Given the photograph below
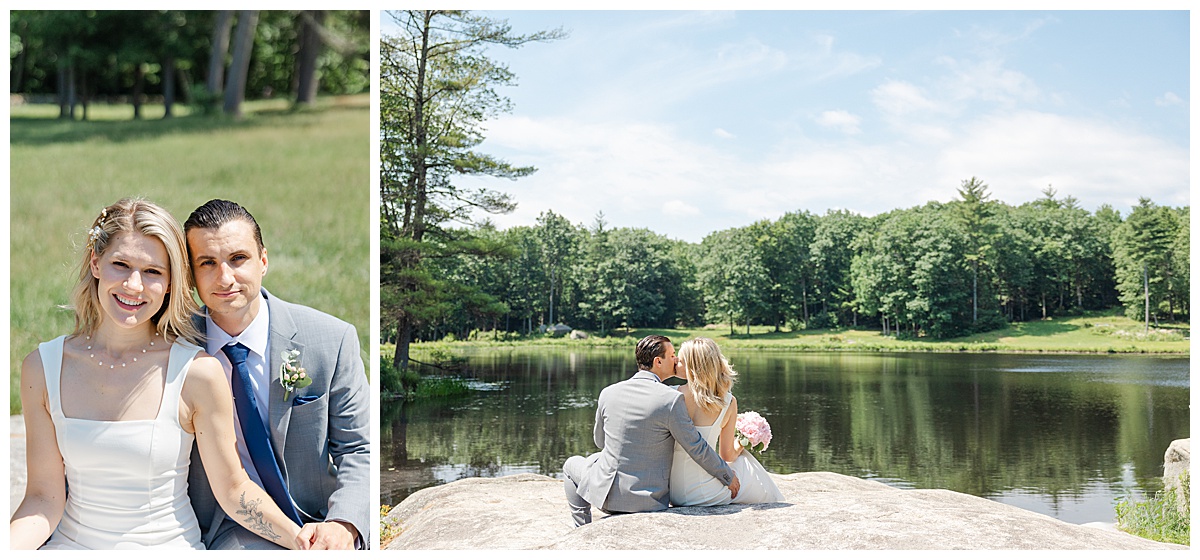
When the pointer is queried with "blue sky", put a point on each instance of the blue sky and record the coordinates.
(693, 122)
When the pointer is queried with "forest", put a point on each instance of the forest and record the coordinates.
(211, 59)
(939, 270)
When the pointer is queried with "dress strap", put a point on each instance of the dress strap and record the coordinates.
(51, 353)
(721, 417)
(178, 364)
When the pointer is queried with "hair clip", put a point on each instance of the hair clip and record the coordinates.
(94, 234)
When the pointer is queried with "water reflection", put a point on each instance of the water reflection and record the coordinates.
(1062, 435)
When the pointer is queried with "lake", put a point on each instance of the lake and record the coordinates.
(1063, 435)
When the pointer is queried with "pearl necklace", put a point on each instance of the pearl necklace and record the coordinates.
(113, 365)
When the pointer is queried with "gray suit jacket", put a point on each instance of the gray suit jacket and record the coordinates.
(638, 422)
(320, 435)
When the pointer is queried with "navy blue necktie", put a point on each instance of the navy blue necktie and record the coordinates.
(255, 433)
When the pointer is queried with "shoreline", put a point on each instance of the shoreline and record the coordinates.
(964, 348)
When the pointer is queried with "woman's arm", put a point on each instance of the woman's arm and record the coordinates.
(208, 408)
(46, 488)
(730, 449)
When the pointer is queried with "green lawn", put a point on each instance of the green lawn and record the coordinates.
(304, 175)
(1108, 332)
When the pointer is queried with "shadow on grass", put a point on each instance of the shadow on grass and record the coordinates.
(1027, 329)
(34, 131)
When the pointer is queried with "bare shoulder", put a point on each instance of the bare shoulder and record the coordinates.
(204, 377)
(32, 372)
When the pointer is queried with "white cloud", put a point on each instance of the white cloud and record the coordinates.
(1019, 154)
(650, 175)
(825, 62)
(1168, 99)
(680, 208)
(900, 98)
(841, 120)
(722, 133)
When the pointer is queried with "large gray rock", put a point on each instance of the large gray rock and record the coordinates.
(824, 511)
(1177, 462)
(16, 462)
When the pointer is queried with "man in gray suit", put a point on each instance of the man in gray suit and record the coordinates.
(307, 445)
(638, 422)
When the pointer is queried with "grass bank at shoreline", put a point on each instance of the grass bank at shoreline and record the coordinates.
(1093, 333)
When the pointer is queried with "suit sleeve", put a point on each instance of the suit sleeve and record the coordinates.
(349, 437)
(598, 431)
(689, 438)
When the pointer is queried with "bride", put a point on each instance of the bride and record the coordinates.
(713, 410)
(112, 409)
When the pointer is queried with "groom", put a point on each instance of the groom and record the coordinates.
(306, 445)
(638, 422)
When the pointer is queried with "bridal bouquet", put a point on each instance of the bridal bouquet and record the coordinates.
(753, 431)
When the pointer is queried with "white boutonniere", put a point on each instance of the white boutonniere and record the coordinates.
(291, 375)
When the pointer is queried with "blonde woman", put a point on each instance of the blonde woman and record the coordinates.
(713, 410)
(111, 410)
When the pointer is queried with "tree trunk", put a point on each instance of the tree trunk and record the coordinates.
(63, 86)
(72, 90)
(243, 47)
(220, 47)
(83, 93)
(975, 294)
(168, 86)
(403, 340)
(139, 85)
(16, 86)
(306, 57)
(1146, 286)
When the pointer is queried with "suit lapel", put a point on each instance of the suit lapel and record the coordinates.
(283, 338)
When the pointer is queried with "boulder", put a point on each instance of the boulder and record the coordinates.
(823, 511)
(1177, 462)
(578, 335)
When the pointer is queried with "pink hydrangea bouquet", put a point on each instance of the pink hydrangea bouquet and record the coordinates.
(753, 431)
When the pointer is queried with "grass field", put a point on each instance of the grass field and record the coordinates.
(1107, 332)
(304, 175)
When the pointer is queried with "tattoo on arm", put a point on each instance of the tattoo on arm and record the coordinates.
(254, 518)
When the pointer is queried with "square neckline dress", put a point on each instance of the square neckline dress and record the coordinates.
(126, 479)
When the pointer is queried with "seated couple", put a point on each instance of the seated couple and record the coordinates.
(119, 414)
(660, 445)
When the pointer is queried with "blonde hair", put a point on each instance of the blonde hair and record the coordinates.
(138, 215)
(709, 374)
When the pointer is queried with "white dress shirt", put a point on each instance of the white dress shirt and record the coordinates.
(257, 338)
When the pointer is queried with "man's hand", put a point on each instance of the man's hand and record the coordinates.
(733, 488)
(330, 535)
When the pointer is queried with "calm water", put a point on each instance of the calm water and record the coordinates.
(1060, 435)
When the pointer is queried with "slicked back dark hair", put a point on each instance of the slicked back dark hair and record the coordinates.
(216, 213)
(649, 348)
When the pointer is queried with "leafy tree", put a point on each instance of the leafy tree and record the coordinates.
(437, 88)
(731, 273)
(831, 253)
(1141, 252)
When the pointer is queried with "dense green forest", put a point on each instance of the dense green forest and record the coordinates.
(209, 58)
(938, 270)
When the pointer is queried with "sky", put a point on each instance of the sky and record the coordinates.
(688, 123)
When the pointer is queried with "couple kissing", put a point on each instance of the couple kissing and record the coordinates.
(662, 446)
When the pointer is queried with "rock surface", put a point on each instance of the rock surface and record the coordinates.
(824, 511)
(1176, 462)
(16, 462)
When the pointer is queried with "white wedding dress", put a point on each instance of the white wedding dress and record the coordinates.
(691, 485)
(126, 480)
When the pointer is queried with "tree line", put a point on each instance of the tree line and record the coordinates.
(214, 59)
(938, 270)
